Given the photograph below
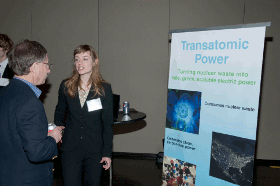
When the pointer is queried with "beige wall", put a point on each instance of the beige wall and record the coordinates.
(15, 19)
(132, 39)
(134, 58)
(268, 128)
(61, 26)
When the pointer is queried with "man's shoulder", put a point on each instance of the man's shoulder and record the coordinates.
(18, 84)
(16, 96)
(17, 88)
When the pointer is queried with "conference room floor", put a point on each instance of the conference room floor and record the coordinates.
(143, 172)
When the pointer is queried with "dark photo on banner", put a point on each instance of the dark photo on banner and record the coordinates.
(183, 110)
(232, 158)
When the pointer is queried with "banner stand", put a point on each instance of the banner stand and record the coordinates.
(212, 105)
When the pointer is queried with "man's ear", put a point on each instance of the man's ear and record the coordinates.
(34, 67)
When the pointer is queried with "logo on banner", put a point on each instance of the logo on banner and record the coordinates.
(183, 110)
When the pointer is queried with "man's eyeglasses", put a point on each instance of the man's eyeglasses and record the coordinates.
(48, 65)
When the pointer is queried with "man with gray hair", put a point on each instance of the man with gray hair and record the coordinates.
(26, 146)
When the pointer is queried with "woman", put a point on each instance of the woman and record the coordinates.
(87, 100)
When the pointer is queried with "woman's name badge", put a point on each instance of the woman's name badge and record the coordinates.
(94, 104)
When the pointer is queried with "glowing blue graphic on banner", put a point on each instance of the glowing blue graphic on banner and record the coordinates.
(183, 110)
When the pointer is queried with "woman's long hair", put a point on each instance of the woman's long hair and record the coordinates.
(95, 79)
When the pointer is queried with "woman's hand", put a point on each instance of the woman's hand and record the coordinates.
(107, 162)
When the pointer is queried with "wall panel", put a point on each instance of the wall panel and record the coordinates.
(268, 136)
(16, 19)
(61, 26)
(134, 59)
(204, 13)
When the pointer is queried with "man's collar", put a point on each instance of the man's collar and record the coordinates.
(33, 87)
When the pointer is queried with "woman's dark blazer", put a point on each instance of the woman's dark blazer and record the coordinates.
(93, 129)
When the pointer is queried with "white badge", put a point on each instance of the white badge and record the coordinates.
(4, 81)
(94, 104)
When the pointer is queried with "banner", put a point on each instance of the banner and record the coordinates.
(212, 106)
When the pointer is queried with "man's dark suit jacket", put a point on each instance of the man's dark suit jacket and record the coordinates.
(93, 129)
(25, 149)
(8, 73)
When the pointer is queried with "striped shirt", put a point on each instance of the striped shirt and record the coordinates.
(33, 87)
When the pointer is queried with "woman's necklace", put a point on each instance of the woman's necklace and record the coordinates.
(85, 86)
(83, 93)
